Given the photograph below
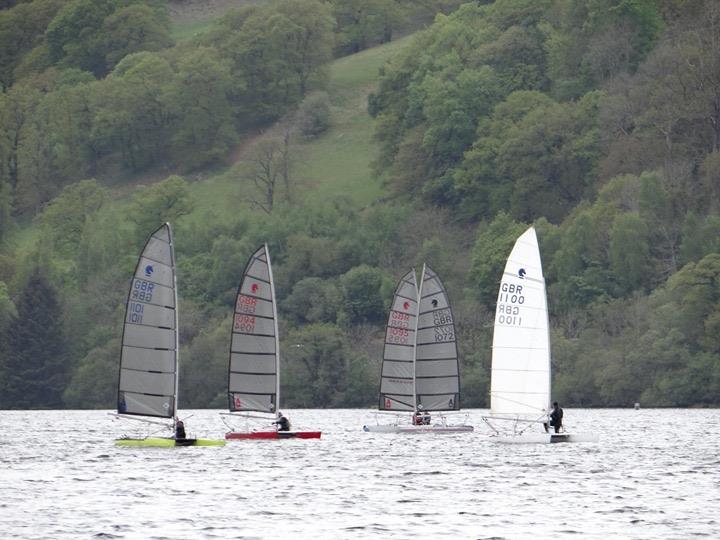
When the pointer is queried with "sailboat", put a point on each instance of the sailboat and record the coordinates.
(520, 385)
(254, 366)
(421, 369)
(148, 380)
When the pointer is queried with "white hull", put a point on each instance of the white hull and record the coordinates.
(544, 438)
(391, 428)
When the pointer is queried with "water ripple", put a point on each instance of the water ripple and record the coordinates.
(642, 482)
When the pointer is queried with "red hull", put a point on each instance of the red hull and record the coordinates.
(266, 435)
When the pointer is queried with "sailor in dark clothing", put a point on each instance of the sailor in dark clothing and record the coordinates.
(283, 423)
(421, 417)
(556, 417)
(179, 430)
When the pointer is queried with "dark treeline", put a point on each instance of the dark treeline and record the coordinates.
(596, 120)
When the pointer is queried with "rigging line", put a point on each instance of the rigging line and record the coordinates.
(145, 393)
(154, 283)
(252, 334)
(143, 325)
(399, 344)
(405, 298)
(145, 348)
(439, 293)
(436, 326)
(146, 303)
(254, 297)
(256, 278)
(264, 317)
(163, 263)
(145, 370)
(526, 279)
(445, 308)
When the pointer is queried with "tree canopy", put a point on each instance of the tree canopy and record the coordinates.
(596, 121)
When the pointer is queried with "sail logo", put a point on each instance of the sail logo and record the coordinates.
(406, 305)
(149, 270)
(521, 273)
(254, 288)
(434, 302)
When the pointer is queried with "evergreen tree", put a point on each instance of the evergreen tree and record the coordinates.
(33, 366)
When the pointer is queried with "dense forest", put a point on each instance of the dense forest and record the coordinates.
(598, 121)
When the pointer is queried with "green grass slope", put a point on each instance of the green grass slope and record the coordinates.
(335, 164)
(339, 160)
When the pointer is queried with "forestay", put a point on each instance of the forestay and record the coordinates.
(437, 369)
(253, 378)
(149, 354)
(397, 388)
(520, 384)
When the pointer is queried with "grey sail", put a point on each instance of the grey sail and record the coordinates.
(149, 354)
(437, 368)
(253, 378)
(397, 386)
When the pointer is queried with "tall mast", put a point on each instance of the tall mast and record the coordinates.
(277, 335)
(547, 321)
(417, 319)
(177, 329)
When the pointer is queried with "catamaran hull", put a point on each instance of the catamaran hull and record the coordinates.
(272, 435)
(544, 438)
(389, 428)
(164, 442)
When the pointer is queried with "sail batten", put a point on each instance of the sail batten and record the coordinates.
(520, 382)
(147, 382)
(253, 370)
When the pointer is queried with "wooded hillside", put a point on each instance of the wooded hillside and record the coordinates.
(598, 121)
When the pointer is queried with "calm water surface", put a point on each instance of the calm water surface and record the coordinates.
(654, 474)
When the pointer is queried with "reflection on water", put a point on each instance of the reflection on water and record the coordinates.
(654, 474)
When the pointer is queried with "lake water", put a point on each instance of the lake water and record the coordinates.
(654, 474)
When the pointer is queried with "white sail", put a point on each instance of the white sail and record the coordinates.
(437, 368)
(520, 384)
(149, 354)
(253, 378)
(397, 388)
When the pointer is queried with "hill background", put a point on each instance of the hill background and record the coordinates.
(357, 155)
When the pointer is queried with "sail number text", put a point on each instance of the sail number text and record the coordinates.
(399, 320)
(244, 323)
(442, 316)
(135, 312)
(245, 304)
(142, 290)
(509, 301)
(397, 335)
(444, 333)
